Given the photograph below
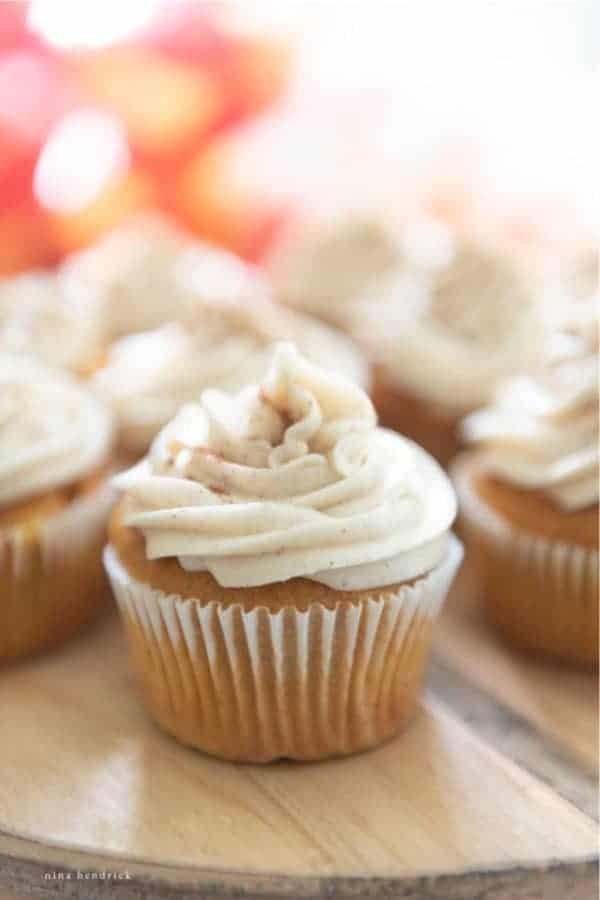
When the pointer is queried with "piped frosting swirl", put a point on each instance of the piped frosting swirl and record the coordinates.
(542, 431)
(53, 431)
(146, 273)
(452, 336)
(291, 478)
(326, 269)
(42, 319)
(224, 344)
(130, 275)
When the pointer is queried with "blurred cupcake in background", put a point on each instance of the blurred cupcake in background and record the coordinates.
(529, 501)
(55, 446)
(223, 342)
(440, 343)
(323, 269)
(571, 276)
(130, 275)
(279, 562)
(41, 317)
(581, 274)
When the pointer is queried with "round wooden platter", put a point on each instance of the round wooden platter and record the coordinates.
(480, 797)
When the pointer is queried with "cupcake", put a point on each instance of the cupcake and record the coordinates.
(42, 318)
(55, 441)
(278, 561)
(324, 269)
(529, 501)
(131, 275)
(440, 346)
(223, 344)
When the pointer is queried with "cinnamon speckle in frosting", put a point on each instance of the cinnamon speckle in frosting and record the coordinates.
(291, 478)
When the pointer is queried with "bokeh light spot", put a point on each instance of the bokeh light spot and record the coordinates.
(85, 152)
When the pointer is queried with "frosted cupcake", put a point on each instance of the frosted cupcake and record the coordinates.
(55, 442)
(132, 274)
(279, 561)
(224, 344)
(529, 500)
(42, 318)
(440, 349)
(325, 269)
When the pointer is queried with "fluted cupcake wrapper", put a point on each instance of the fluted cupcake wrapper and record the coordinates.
(541, 594)
(51, 576)
(259, 685)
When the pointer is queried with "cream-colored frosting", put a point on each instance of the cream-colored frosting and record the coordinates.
(146, 273)
(324, 269)
(571, 285)
(53, 431)
(452, 336)
(581, 274)
(39, 317)
(225, 345)
(577, 326)
(291, 478)
(130, 272)
(542, 431)
(329, 269)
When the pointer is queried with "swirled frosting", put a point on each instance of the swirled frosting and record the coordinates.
(451, 338)
(146, 273)
(325, 269)
(38, 317)
(542, 431)
(130, 273)
(225, 345)
(581, 274)
(290, 478)
(53, 431)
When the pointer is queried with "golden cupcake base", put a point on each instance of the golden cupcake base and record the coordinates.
(410, 415)
(301, 681)
(538, 566)
(51, 577)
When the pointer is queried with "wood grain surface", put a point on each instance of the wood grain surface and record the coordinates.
(459, 806)
(560, 703)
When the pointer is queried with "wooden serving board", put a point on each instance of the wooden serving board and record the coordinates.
(490, 793)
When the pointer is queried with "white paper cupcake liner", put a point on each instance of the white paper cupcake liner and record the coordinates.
(258, 685)
(542, 593)
(51, 576)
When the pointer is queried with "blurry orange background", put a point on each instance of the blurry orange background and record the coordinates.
(471, 111)
(91, 135)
